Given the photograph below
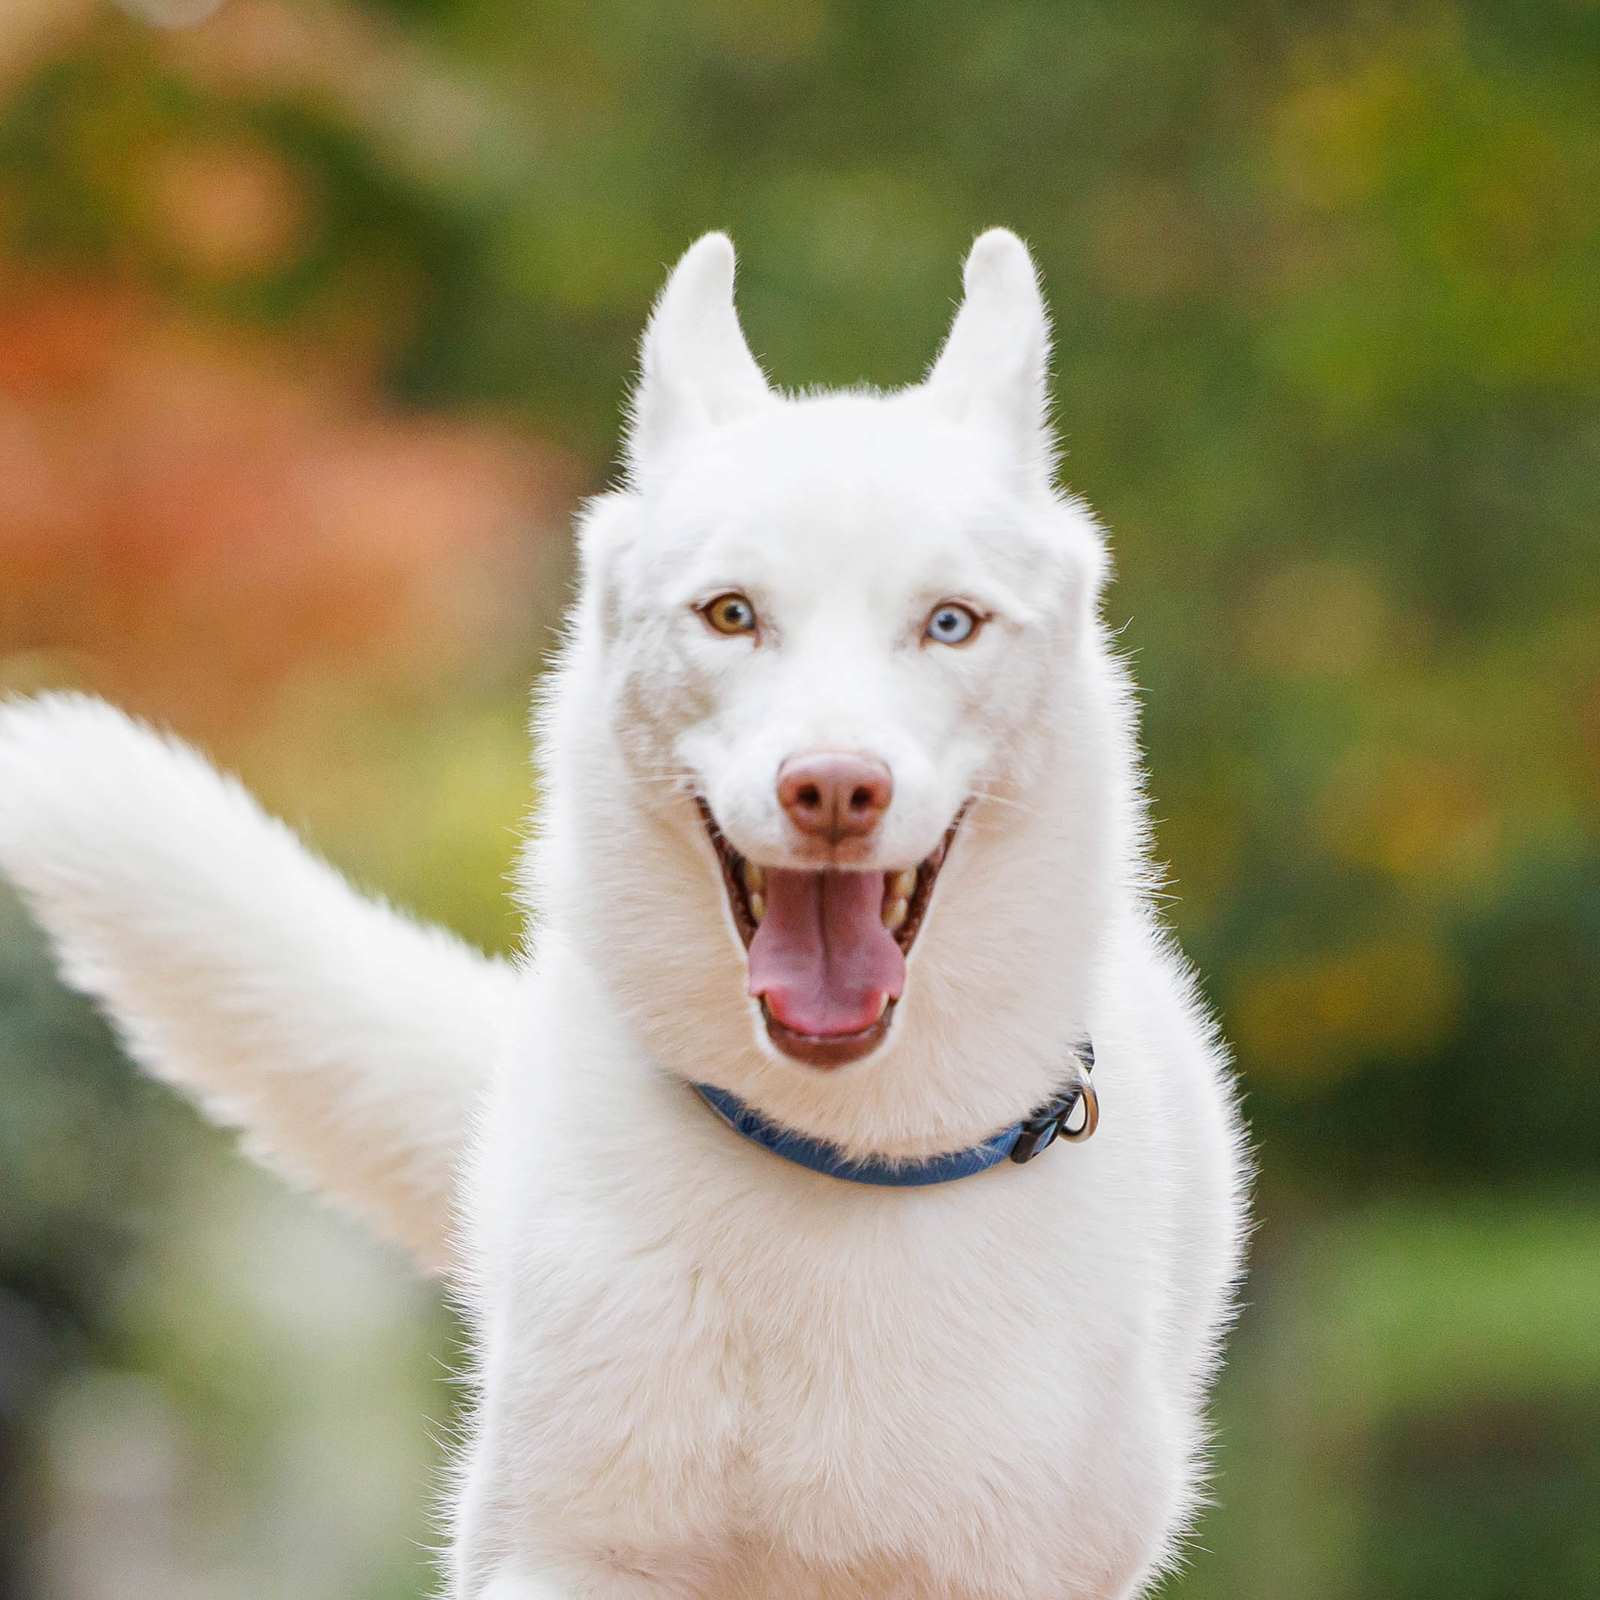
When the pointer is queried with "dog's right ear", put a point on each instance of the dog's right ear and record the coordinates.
(695, 369)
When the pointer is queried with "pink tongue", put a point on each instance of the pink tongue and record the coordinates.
(822, 957)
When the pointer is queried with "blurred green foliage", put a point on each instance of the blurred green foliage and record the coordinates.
(1325, 281)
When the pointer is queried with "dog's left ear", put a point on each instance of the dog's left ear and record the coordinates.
(695, 369)
(994, 368)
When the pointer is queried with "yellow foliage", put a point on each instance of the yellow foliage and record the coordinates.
(1312, 1019)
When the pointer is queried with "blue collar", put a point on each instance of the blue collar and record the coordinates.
(1020, 1142)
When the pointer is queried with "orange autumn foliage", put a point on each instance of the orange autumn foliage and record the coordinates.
(190, 513)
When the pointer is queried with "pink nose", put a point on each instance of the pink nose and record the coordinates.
(834, 796)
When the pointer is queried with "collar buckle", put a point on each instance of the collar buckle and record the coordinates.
(1053, 1120)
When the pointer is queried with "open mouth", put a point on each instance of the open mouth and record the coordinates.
(826, 947)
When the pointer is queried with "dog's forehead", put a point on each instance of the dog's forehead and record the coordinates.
(845, 488)
(861, 445)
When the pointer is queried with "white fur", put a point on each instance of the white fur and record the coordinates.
(702, 1371)
(349, 1042)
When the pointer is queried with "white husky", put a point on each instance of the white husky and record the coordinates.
(841, 821)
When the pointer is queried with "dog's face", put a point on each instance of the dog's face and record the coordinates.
(831, 626)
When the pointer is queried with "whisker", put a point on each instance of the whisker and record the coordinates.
(1007, 800)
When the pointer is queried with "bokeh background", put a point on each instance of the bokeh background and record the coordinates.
(314, 320)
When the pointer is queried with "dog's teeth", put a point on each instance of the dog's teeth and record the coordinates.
(903, 884)
(758, 905)
(755, 877)
(895, 913)
(883, 1004)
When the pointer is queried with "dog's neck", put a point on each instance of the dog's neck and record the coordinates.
(1003, 979)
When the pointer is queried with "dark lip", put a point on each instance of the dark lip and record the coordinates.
(827, 1050)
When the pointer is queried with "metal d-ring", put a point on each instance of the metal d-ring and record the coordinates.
(1090, 1102)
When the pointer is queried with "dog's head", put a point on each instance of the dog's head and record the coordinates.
(832, 631)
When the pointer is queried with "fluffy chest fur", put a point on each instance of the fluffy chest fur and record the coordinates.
(769, 1382)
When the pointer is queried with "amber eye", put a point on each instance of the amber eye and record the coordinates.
(952, 623)
(730, 613)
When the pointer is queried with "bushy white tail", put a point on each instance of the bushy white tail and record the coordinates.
(349, 1042)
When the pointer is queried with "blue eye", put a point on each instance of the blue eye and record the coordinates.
(951, 624)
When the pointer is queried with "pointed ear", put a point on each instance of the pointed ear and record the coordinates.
(695, 369)
(994, 368)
